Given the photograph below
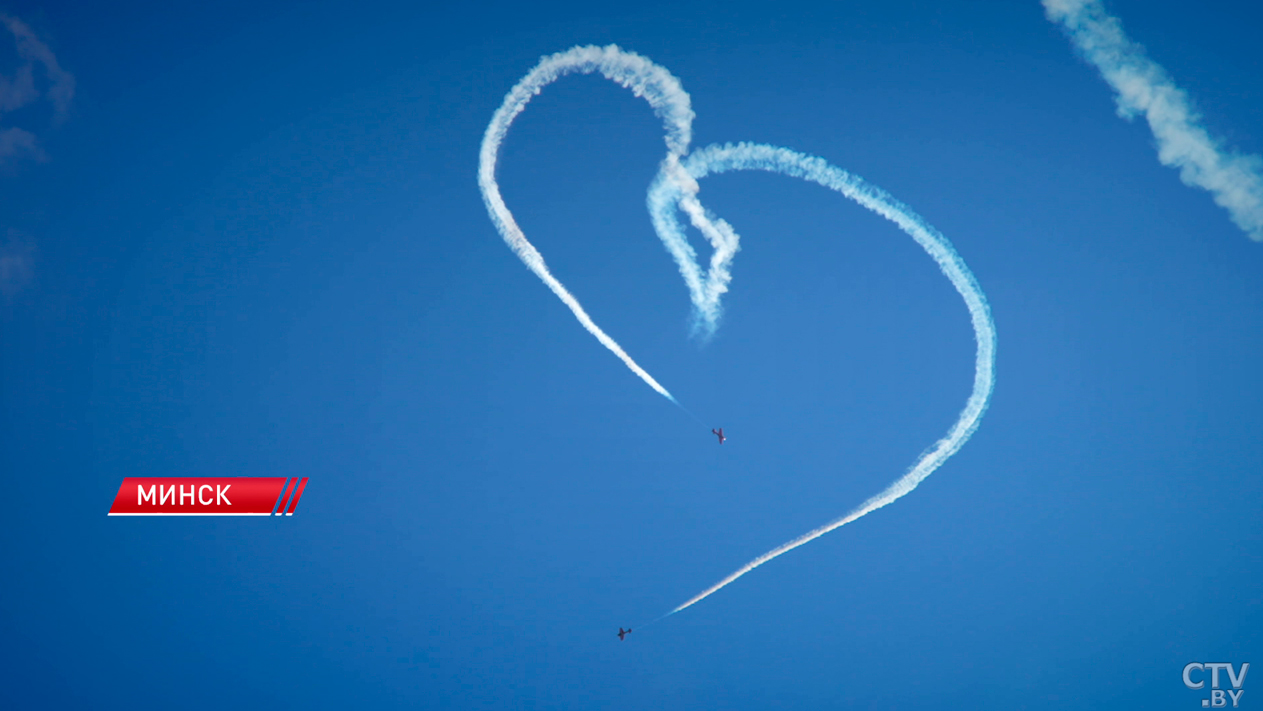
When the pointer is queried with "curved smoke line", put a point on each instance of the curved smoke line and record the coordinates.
(676, 188)
(748, 156)
(670, 102)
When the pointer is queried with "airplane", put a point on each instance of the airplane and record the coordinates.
(719, 433)
(623, 633)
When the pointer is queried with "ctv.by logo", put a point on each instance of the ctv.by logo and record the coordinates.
(1217, 698)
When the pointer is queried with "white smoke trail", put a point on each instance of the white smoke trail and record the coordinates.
(645, 79)
(746, 156)
(1142, 86)
(676, 187)
(670, 102)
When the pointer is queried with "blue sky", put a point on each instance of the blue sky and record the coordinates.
(254, 245)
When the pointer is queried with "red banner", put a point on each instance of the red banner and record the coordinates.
(208, 496)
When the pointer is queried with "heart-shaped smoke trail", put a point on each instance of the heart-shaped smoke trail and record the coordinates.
(676, 188)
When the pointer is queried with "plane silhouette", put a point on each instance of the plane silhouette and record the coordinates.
(720, 434)
(623, 633)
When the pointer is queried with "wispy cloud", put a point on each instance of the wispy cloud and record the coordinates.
(16, 141)
(1143, 87)
(32, 51)
(39, 76)
(18, 90)
(17, 262)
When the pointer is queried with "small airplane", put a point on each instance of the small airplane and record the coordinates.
(623, 633)
(720, 434)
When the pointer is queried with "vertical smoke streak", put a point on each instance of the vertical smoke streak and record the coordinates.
(745, 156)
(1144, 87)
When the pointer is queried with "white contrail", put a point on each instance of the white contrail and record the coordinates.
(1142, 86)
(671, 103)
(646, 80)
(746, 156)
